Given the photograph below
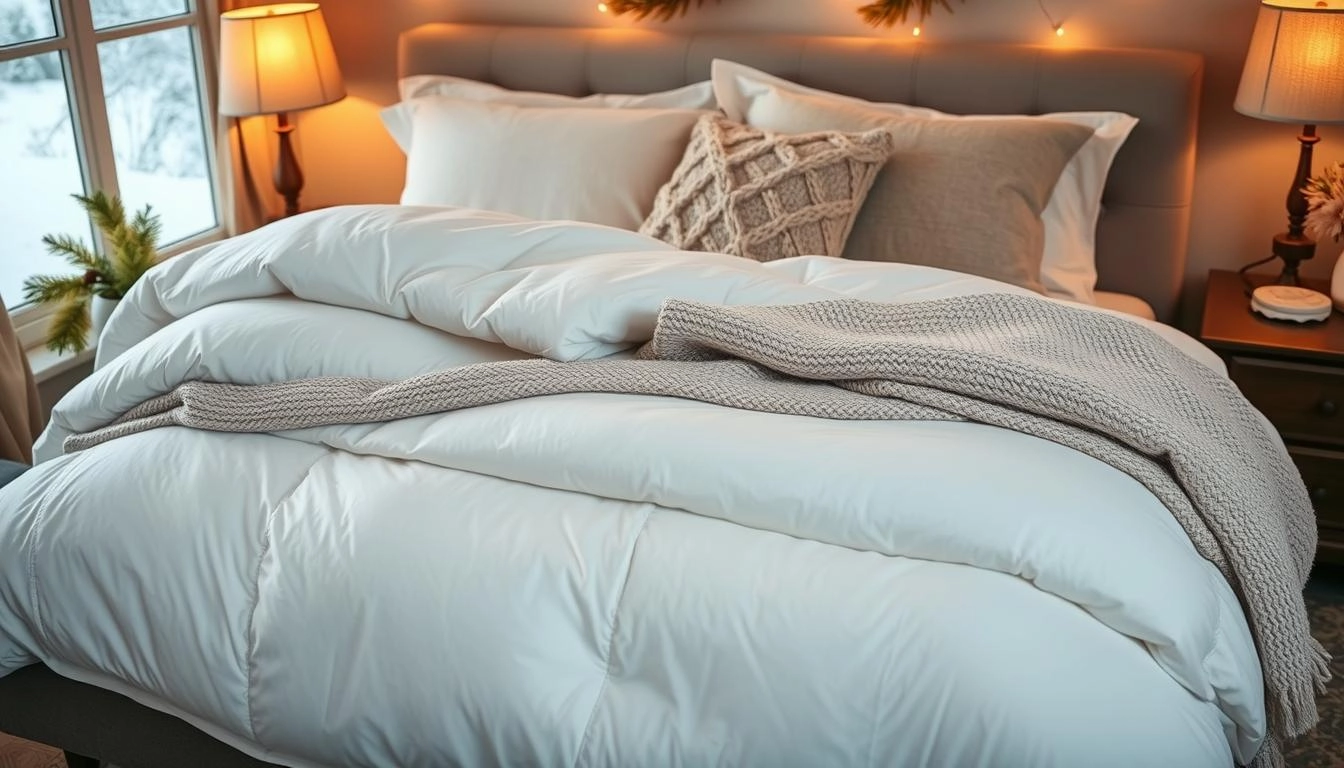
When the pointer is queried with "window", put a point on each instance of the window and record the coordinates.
(100, 94)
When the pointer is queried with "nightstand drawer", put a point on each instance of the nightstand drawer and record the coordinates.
(1323, 472)
(1305, 402)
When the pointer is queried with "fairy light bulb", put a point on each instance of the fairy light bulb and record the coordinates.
(602, 8)
(1059, 30)
(916, 31)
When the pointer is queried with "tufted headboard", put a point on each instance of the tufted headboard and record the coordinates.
(1141, 239)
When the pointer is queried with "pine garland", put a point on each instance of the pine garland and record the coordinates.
(879, 13)
(887, 13)
(662, 10)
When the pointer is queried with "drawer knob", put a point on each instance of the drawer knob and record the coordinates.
(1327, 408)
(1318, 494)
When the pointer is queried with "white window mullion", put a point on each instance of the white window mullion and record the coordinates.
(34, 48)
(145, 27)
(207, 73)
(92, 130)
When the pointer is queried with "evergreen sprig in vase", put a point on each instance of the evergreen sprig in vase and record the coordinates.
(84, 300)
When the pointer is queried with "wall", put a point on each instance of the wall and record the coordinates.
(1244, 167)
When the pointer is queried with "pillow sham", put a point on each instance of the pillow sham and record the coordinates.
(764, 195)
(965, 195)
(1068, 265)
(603, 166)
(695, 96)
(397, 118)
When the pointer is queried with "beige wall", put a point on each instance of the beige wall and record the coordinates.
(1244, 169)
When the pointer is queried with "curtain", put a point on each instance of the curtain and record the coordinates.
(243, 156)
(20, 411)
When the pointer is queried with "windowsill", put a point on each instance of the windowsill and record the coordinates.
(48, 365)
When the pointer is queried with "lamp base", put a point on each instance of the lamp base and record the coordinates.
(1293, 250)
(288, 177)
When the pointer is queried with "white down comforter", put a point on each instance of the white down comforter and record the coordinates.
(593, 580)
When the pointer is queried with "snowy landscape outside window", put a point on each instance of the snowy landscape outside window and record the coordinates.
(100, 95)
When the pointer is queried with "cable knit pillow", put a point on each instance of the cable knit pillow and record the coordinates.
(767, 196)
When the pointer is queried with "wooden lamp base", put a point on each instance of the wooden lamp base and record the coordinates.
(288, 176)
(1293, 246)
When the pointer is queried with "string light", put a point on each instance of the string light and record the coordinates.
(915, 31)
(602, 8)
(1057, 26)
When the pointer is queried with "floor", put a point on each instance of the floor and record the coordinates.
(1323, 748)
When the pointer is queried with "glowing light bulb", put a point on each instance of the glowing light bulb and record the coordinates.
(916, 31)
(1059, 30)
(602, 8)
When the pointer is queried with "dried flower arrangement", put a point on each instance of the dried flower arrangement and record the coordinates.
(1325, 203)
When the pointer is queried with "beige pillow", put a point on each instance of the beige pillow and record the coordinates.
(766, 196)
(965, 195)
(1069, 264)
(602, 166)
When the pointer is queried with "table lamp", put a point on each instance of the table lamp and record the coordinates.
(1294, 73)
(277, 59)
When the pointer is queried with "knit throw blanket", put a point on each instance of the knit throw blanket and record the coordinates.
(1095, 383)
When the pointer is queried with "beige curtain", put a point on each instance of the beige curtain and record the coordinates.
(244, 158)
(20, 411)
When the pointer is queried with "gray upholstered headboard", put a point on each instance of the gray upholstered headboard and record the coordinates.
(1141, 240)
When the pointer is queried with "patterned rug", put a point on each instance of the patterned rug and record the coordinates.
(1323, 748)
(16, 753)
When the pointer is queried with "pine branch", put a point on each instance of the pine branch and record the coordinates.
(133, 245)
(75, 252)
(134, 251)
(70, 325)
(145, 231)
(888, 13)
(47, 288)
(662, 10)
(108, 213)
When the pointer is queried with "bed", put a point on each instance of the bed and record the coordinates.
(695, 589)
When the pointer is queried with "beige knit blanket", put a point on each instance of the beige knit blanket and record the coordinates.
(1096, 383)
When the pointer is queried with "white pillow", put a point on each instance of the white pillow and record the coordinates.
(397, 120)
(695, 96)
(603, 166)
(1068, 265)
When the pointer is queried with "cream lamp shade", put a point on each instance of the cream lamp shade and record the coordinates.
(1294, 69)
(276, 58)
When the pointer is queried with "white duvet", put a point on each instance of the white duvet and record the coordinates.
(594, 580)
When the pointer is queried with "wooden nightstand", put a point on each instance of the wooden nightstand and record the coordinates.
(1295, 375)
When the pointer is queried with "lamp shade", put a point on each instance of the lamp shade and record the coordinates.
(1295, 66)
(276, 58)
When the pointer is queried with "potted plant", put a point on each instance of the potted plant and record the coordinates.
(84, 301)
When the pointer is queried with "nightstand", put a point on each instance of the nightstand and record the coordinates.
(1295, 375)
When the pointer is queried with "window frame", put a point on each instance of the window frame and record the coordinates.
(77, 41)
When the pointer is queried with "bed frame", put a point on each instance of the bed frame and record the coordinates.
(1141, 237)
